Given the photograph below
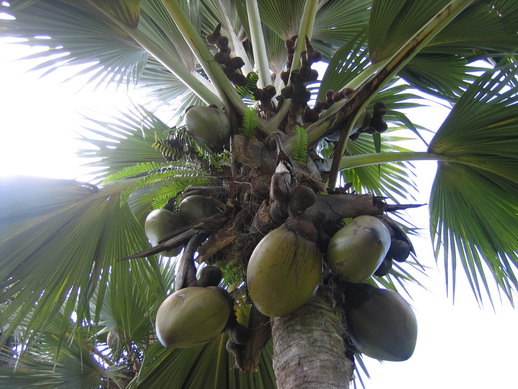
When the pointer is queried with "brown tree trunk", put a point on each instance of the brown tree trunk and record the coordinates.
(308, 350)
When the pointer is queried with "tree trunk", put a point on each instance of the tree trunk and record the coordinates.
(308, 348)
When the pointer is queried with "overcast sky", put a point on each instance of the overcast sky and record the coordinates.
(459, 346)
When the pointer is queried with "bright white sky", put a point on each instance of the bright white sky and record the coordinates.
(459, 346)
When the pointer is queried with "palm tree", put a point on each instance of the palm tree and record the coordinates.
(81, 286)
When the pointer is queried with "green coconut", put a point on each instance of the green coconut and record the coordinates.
(381, 323)
(160, 223)
(283, 272)
(194, 208)
(357, 250)
(208, 125)
(191, 316)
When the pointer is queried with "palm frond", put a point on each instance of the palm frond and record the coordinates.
(444, 76)
(391, 23)
(76, 35)
(473, 203)
(57, 249)
(347, 63)
(394, 181)
(283, 17)
(485, 30)
(335, 24)
(127, 11)
(249, 123)
(164, 89)
(76, 364)
(121, 141)
(156, 24)
(196, 367)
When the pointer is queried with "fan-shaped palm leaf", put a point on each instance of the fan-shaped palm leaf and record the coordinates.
(58, 249)
(207, 366)
(123, 141)
(76, 35)
(57, 364)
(474, 204)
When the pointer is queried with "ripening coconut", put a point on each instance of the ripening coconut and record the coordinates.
(381, 323)
(357, 250)
(191, 316)
(209, 125)
(195, 207)
(160, 223)
(283, 272)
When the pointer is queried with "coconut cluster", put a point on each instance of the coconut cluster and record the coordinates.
(161, 223)
(292, 247)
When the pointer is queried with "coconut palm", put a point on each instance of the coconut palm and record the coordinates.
(81, 285)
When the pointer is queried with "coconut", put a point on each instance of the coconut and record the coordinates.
(357, 250)
(191, 316)
(381, 323)
(283, 272)
(160, 223)
(194, 208)
(208, 125)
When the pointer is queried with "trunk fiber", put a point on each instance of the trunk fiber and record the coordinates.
(308, 350)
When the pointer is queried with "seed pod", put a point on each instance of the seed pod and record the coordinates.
(222, 58)
(194, 208)
(237, 63)
(222, 42)
(269, 91)
(191, 316)
(381, 323)
(237, 79)
(399, 250)
(212, 38)
(305, 72)
(283, 272)
(208, 125)
(314, 56)
(287, 92)
(357, 250)
(285, 77)
(210, 276)
(160, 223)
(313, 76)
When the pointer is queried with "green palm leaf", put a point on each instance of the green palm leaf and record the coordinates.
(474, 203)
(388, 180)
(75, 35)
(393, 22)
(58, 248)
(207, 366)
(122, 141)
(76, 364)
(336, 24)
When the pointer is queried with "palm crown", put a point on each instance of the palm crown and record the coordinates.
(62, 240)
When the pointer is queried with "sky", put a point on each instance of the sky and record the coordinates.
(459, 345)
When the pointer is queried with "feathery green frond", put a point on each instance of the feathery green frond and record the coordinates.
(249, 123)
(299, 153)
